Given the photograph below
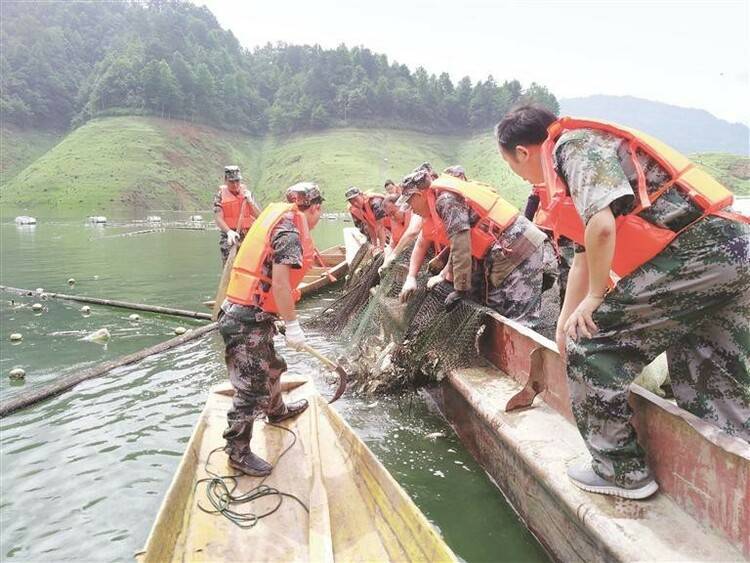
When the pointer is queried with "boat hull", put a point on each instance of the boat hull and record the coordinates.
(357, 510)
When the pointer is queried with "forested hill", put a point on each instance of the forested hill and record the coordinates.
(64, 63)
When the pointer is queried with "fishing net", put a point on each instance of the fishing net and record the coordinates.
(393, 345)
(363, 275)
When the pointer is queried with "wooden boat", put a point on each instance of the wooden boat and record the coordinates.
(334, 264)
(318, 278)
(357, 511)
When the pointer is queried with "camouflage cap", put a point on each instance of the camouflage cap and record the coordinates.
(456, 171)
(304, 194)
(426, 166)
(352, 192)
(232, 173)
(413, 183)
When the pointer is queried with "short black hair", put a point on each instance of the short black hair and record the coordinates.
(524, 125)
(388, 183)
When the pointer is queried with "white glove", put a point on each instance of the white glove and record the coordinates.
(409, 287)
(434, 280)
(233, 237)
(249, 197)
(386, 264)
(295, 338)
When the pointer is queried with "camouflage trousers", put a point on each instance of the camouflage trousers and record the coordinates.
(693, 301)
(565, 255)
(224, 246)
(519, 295)
(254, 371)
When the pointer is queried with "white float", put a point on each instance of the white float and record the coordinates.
(97, 219)
(17, 373)
(25, 220)
(101, 335)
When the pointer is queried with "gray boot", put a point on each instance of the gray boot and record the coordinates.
(584, 477)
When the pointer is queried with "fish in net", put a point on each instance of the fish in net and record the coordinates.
(395, 346)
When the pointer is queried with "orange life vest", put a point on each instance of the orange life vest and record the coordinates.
(542, 217)
(397, 228)
(495, 213)
(365, 214)
(638, 241)
(231, 206)
(247, 278)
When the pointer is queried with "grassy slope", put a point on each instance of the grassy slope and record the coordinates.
(341, 158)
(153, 163)
(21, 147)
(731, 170)
(140, 162)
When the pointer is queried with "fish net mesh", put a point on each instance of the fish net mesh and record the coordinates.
(393, 346)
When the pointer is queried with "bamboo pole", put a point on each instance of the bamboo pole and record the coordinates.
(112, 303)
(69, 381)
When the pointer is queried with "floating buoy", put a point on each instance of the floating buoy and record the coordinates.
(101, 335)
(36, 307)
(16, 337)
(71, 281)
(40, 290)
(86, 310)
(134, 317)
(96, 277)
(17, 373)
(180, 330)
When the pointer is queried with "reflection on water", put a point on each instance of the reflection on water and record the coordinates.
(83, 474)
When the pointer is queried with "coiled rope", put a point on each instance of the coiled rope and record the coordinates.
(220, 491)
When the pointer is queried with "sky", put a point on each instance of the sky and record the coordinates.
(691, 53)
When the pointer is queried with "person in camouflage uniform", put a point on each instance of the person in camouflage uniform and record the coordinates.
(253, 365)
(510, 285)
(375, 233)
(231, 234)
(692, 300)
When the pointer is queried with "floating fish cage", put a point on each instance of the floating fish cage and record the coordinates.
(25, 220)
(153, 219)
(196, 219)
(97, 219)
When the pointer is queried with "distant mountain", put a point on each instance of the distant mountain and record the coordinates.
(686, 129)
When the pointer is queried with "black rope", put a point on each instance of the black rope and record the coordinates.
(220, 491)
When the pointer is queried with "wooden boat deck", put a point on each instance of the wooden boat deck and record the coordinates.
(357, 510)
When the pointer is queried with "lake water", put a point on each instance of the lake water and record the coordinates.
(83, 474)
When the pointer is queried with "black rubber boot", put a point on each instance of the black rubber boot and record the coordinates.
(250, 464)
(292, 409)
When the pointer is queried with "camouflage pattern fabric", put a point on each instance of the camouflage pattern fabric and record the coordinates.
(519, 295)
(378, 210)
(224, 246)
(692, 301)
(565, 253)
(599, 173)
(254, 372)
(252, 363)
